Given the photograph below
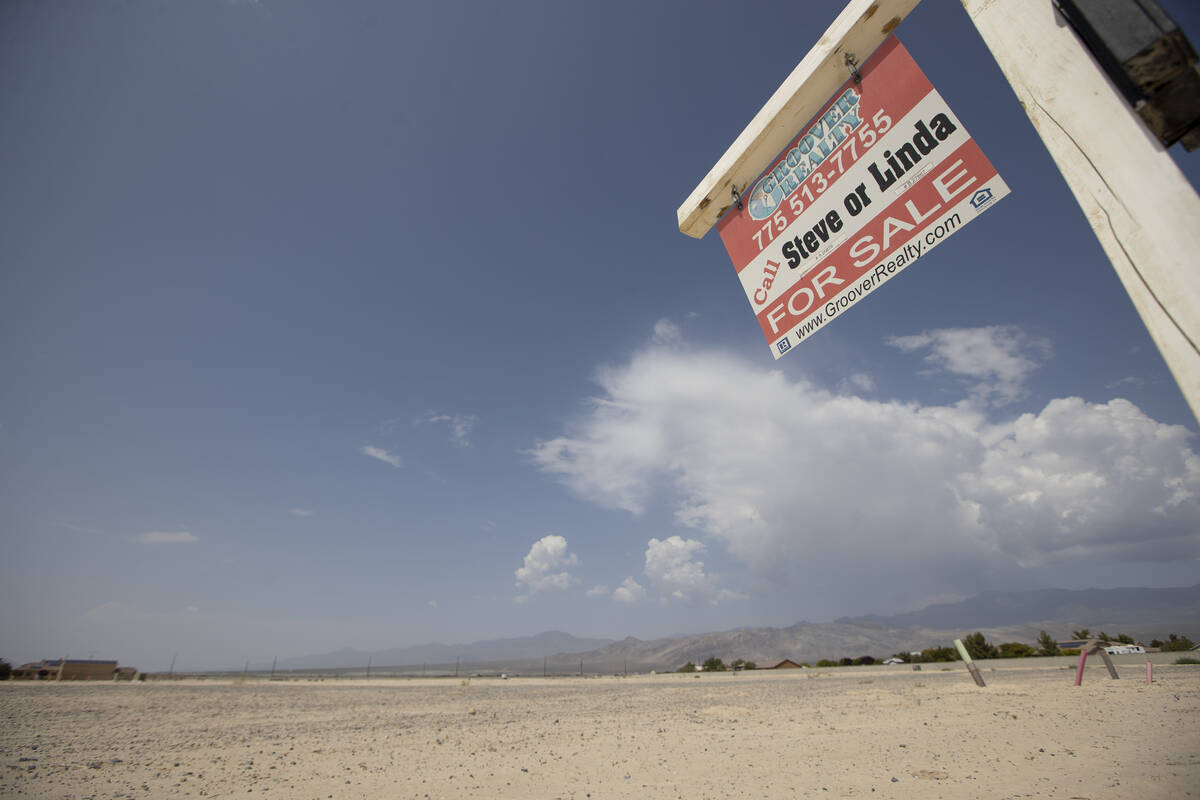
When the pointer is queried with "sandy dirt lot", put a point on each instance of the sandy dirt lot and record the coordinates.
(851, 732)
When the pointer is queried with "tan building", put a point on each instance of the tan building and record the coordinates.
(71, 669)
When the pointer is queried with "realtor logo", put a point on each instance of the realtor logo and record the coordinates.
(784, 346)
(981, 198)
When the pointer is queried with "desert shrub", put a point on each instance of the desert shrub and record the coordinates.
(713, 664)
(847, 662)
(1069, 651)
(825, 662)
(865, 661)
(1187, 660)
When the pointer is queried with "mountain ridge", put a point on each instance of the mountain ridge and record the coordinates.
(1001, 616)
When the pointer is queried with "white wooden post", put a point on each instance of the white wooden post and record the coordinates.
(1143, 210)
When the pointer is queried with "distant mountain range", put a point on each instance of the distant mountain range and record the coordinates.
(990, 609)
(1001, 616)
(492, 650)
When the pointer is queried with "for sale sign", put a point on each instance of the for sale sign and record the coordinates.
(875, 181)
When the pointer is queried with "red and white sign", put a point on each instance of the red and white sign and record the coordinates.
(881, 176)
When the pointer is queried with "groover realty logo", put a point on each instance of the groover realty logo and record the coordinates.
(981, 198)
(807, 152)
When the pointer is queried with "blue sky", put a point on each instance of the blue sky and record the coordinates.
(368, 324)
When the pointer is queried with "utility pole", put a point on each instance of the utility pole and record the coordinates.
(1140, 206)
(368, 666)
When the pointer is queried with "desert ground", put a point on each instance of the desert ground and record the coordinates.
(879, 732)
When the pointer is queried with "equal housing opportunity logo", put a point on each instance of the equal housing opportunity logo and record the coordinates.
(981, 198)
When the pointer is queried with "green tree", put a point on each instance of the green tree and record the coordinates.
(978, 647)
(5, 670)
(1125, 638)
(750, 665)
(932, 655)
(1082, 633)
(865, 661)
(1177, 643)
(1017, 650)
(713, 664)
(847, 662)
(825, 662)
(1104, 637)
(1049, 647)
(688, 667)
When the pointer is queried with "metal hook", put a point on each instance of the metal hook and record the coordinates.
(737, 195)
(852, 63)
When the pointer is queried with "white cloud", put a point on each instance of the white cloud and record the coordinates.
(545, 566)
(80, 528)
(667, 332)
(599, 590)
(802, 484)
(995, 360)
(301, 512)
(858, 382)
(672, 565)
(630, 591)
(381, 454)
(166, 537)
(460, 426)
(432, 603)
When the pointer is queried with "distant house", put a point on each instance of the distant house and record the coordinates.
(787, 663)
(71, 669)
(1124, 649)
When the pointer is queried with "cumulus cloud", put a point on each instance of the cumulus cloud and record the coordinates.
(857, 383)
(673, 567)
(800, 483)
(994, 361)
(545, 566)
(630, 591)
(667, 332)
(380, 454)
(599, 590)
(460, 426)
(166, 537)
